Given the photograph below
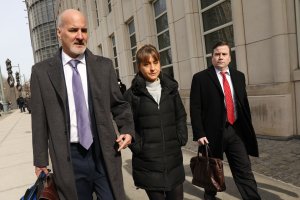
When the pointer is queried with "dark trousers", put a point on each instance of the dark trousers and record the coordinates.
(90, 174)
(22, 108)
(239, 163)
(174, 194)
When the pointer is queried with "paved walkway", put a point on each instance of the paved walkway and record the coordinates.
(279, 159)
(17, 172)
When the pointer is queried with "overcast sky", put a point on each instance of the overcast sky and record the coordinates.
(15, 38)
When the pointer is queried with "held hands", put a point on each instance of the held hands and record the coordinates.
(202, 141)
(38, 170)
(124, 140)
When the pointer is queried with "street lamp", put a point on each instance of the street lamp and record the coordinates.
(18, 79)
(10, 78)
(18, 86)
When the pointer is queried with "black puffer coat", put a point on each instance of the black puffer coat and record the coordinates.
(160, 132)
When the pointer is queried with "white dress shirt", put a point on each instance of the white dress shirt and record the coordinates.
(220, 77)
(68, 72)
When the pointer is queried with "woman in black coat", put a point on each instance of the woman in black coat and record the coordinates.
(160, 125)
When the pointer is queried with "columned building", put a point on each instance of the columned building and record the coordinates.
(42, 28)
(265, 39)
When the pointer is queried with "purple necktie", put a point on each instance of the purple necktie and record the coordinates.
(82, 113)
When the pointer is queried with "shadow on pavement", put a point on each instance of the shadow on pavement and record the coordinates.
(263, 189)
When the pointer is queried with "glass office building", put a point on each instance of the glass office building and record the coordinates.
(42, 28)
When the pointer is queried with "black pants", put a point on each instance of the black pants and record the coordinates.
(90, 174)
(239, 163)
(22, 108)
(174, 194)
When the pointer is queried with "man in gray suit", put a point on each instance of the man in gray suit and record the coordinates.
(74, 95)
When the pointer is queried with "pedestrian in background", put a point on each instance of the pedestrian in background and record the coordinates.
(160, 125)
(74, 94)
(9, 105)
(28, 103)
(21, 103)
(1, 107)
(220, 117)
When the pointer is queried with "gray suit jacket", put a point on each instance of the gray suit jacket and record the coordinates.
(50, 120)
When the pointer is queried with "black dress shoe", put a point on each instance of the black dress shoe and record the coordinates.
(209, 197)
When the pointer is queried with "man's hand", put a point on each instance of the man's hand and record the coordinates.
(38, 170)
(202, 141)
(124, 140)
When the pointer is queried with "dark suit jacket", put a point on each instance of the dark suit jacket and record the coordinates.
(50, 120)
(208, 112)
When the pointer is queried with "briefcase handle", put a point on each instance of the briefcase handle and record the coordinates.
(204, 150)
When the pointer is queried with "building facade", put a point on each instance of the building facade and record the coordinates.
(264, 36)
(42, 28)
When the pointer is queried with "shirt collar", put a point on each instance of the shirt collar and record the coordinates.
(66, 58)
(226, 71)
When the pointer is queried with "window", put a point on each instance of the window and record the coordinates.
(217, 25)
(99, 50)
(131, 30)
(109, 5)
(163, 36)
(115, 55)
(97, 14)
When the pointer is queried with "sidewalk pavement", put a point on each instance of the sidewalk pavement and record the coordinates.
(17, 171)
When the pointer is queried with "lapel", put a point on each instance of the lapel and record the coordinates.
(212, 74)
(57, 78)
(91, 63)
(235, 83)
(93, 76)
(90, 70)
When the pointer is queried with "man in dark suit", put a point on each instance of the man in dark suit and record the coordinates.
(220, 116)
(74, 95)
